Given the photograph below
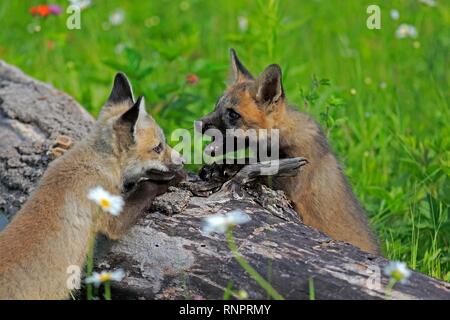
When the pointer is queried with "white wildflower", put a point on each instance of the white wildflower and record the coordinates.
(82, 4)
(98, 278)
(398, 271)
(108, 202)
(119, 48)
(243, 23)
(406, 31)
(220, 223)
(430, 3)
(117, 17)
(395, 15)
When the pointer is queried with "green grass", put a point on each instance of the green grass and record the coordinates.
(394, 141)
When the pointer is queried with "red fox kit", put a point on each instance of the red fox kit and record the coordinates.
(320, 193)
(52, 230)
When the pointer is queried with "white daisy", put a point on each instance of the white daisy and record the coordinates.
(82, 4)
(98, 278)
(220, 223)
(395, 15)
(243, 23)
(406, 31)
(108, 202)
(117, 17)
(398, 271)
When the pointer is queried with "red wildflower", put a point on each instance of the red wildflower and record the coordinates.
(45, 10)
(192, 79)
(50, 44)
(42, 10)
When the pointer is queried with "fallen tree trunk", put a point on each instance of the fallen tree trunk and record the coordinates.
(165, 256)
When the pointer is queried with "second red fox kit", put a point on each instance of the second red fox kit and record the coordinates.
(320, 193)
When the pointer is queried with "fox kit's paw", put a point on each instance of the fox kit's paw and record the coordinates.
(62, 144)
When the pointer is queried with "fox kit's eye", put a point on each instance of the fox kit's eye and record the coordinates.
(233, 115)
(158, 148)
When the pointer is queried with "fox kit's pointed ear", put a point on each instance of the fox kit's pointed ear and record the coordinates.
(238, 72)
(269, 87)
(131, 116)
(127, 122)
(121, 90)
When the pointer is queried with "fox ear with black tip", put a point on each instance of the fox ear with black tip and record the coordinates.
(238, 72)
(128, 122)
(121, 90)
(121, 94)
(269, 87)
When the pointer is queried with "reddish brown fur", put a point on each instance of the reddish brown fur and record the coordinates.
(320, 192)
(254, 116)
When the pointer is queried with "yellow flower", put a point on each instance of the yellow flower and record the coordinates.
(108, 202)
(397, 271)
(105, 276)
(242, 294)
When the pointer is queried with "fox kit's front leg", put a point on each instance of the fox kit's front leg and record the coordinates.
(137, 201)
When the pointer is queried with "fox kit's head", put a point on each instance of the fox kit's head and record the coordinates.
(137, 141)
(248, 103)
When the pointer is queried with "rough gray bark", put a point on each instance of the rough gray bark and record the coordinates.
(164, 255)
(32, 116)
